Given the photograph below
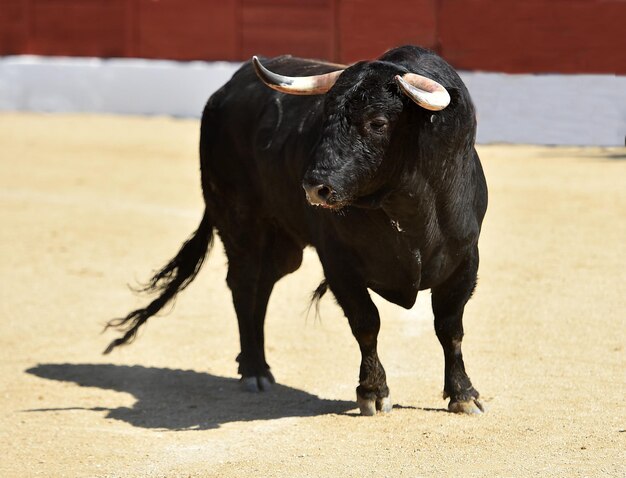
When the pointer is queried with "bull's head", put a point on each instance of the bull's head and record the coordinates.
(362, 107)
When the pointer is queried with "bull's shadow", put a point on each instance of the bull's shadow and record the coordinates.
(185, 399)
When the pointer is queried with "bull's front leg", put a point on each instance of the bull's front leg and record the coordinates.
(372, 394)
(449, 301)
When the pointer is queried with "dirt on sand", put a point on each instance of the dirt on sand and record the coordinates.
(92, 203)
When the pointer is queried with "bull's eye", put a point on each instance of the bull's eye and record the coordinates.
(378, 125)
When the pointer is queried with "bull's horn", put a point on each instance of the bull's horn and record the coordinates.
(296, 85)
(425, 92)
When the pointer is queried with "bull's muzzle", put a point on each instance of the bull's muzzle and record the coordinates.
(318, 194)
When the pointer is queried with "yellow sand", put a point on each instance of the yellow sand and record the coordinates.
(91, 203)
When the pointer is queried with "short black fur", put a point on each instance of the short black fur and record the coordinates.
(405, 199)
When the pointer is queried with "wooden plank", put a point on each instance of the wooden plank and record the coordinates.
(277, 27)
(13, 27)
(77, 27)
(560, 36)
(189, 30)
(368, 28)
(290, 3)
(131, 21)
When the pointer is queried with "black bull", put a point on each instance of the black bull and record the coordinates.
(402, 192)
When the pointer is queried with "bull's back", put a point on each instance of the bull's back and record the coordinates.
(254, 144)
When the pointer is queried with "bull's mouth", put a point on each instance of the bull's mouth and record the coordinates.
(330, 205)
(326, 197)
(332, 202)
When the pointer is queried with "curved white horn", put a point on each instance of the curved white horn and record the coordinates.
(296, 85)
(425, 92)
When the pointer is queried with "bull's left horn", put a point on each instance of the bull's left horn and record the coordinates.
(425, 92)
(296, 85)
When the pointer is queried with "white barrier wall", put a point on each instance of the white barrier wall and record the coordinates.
(549, 109)
(537, 109)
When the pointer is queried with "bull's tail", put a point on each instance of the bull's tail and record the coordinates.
(169, 281)
(316, 297)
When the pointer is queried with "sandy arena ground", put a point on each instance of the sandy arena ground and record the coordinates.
(90, 204)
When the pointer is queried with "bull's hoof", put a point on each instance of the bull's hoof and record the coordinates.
(469, 407)
(260, 383)
(369, 406)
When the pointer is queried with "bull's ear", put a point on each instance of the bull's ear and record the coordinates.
(296, 85)
(425, 92)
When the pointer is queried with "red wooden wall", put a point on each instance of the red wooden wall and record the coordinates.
(566, 36)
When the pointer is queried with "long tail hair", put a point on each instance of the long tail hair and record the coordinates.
(167, 282)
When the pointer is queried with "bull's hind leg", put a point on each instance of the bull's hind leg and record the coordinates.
(255, 264)
(448, 300)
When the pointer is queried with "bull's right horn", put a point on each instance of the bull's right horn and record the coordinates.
(425, 92)
(296, 85)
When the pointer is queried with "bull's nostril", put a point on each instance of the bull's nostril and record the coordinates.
(317, 194)
(323, 192)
